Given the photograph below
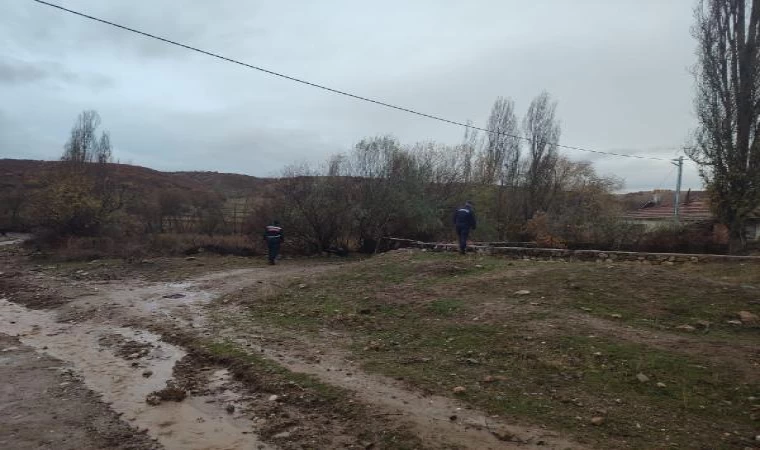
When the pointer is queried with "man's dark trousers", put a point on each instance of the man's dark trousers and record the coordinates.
(274, 248)
(463, 232)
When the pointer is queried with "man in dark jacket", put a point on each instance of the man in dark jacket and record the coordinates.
(274, 236)
(464, 221)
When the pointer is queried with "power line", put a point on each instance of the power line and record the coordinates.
(336, 91)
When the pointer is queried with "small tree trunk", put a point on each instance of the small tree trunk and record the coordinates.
(736, 242)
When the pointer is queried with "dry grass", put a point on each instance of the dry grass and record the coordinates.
(147, 246)
(556, 356)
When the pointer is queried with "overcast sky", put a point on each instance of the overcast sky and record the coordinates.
(618, 68)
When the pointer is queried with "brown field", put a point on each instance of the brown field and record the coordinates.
(404, 350)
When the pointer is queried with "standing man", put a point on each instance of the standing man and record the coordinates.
(464, 221)
(274, 237)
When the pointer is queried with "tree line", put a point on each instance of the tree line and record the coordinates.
(522, 187)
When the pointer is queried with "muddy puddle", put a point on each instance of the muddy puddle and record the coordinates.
(124, 379)
(14, 239)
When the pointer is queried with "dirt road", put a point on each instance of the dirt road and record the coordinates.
(45, 405)
(101, 331)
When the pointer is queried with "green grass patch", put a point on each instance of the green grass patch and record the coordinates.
(440, 321)
(446, 307)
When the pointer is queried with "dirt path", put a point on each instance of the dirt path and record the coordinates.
(437, 419)
(43, 405)
(121, 377)
(102, 309)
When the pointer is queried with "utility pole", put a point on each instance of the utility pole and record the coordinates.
(677, 206)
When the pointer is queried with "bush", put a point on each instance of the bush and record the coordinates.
(86, 248)
(188, 244)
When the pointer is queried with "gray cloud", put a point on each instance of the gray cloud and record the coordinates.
(14, 72)
(22, 73)
(618, 69)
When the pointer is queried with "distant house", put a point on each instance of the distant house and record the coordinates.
(694, 209)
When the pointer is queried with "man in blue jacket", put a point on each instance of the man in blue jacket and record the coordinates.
(274, 237)
(464, 221)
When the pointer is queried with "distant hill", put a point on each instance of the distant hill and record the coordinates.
(240, 194)
(31, 173)
(228, 184)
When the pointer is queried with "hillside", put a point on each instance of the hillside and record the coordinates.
(31, 173)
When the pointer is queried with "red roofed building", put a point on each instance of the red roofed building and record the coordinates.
(693, 209)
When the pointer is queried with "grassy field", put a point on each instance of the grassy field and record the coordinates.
(614, 355)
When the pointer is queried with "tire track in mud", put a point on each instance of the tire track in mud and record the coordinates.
(191, 424)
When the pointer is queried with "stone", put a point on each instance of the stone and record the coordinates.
(703, 324)
(147, 373)
(661, 385)
(283, 435)
(522, 292)
(301, 286)
(642, 378)
(748, 318)
(459, 390)
(190, 258)
(685, 328)
(597, 420)
(494, 378)
(230, 409)
(734, 322)
(616, 316)
(153, 399)
(274, 398)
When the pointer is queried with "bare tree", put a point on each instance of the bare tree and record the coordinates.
(83, 145)
(502, 146)
(314, 206)
(504, 151)
(542, 130)
(103, 152)
(376, 164)
(468, 149)
(728, 108)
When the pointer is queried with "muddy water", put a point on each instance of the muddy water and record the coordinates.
(14, 239)
(196, 424)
